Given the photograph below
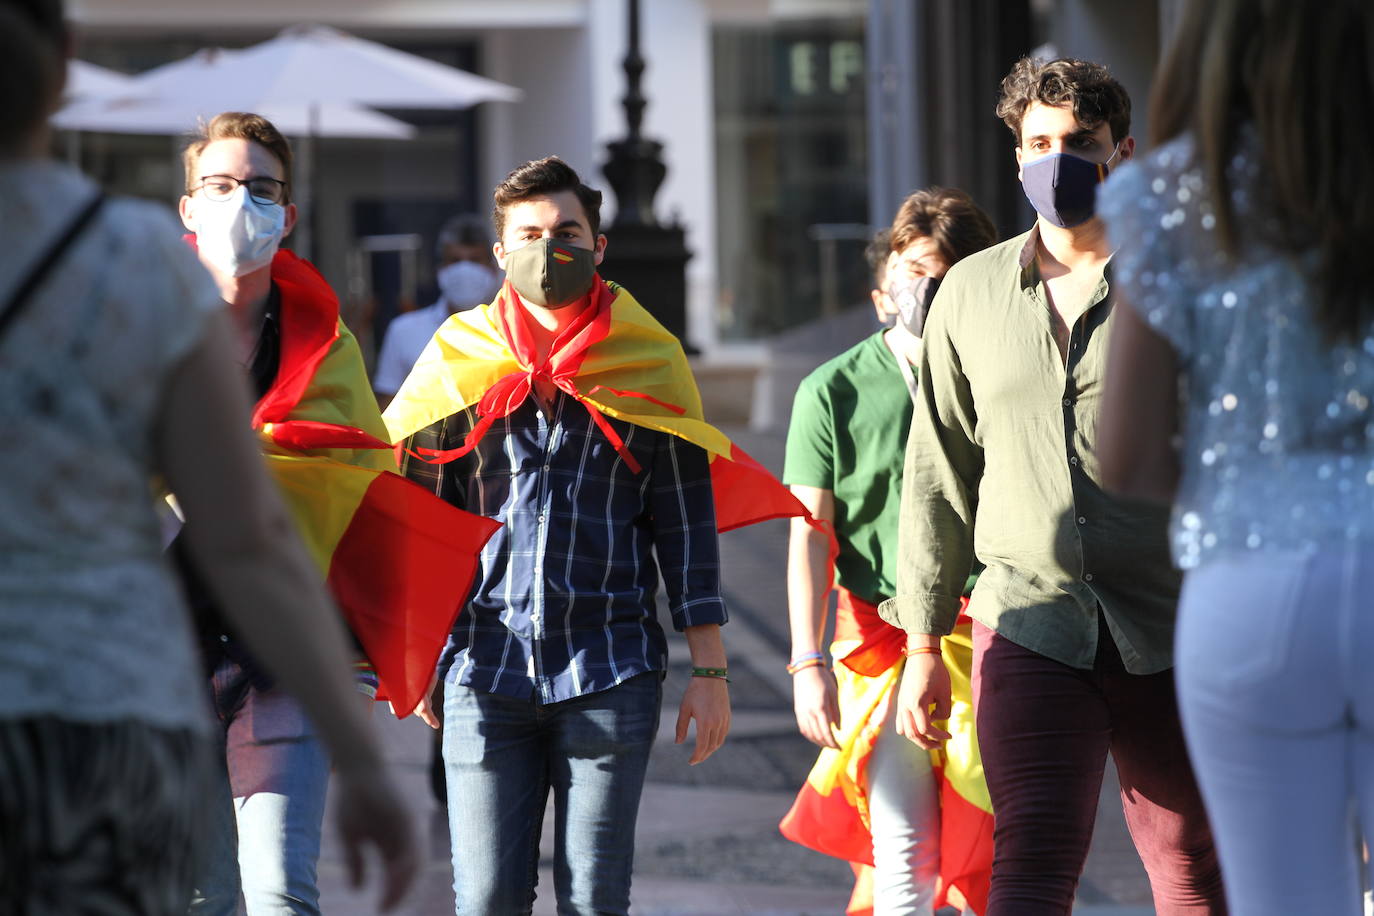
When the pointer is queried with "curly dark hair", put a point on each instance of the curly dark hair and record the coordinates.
(946, 216)
(541, 178)
(1086, 88)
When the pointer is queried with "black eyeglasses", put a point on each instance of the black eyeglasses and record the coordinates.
(262, 189)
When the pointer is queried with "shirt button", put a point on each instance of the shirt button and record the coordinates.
(1073, 460)
(1068, 402)
(1087, 577)
(1082, 520)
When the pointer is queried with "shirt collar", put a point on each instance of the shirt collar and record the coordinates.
(1030, 267)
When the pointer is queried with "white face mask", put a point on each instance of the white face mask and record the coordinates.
(467, 285)
(239, 235)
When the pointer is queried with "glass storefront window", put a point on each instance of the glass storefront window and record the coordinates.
(791, 171)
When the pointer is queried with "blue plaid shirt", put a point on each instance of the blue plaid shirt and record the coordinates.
(564, 604)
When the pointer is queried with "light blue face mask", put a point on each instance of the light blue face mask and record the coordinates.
(1062, 187)
(239, 235)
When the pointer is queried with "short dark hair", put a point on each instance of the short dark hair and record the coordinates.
(33, 42)
(876, 252)
(946, 216)
(463, 229)
(543, 178)
(1085, 88)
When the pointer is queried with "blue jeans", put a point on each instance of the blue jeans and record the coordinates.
(501, 757)
(263, 825)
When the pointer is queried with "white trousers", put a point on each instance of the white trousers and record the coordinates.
(1275, 668)
(904, 805)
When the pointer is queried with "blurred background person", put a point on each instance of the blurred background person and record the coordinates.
(118, 365)
(1244, 238)
(467, 277)
(845, 449)
(267, 813)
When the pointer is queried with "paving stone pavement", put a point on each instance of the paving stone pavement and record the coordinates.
(707, 841)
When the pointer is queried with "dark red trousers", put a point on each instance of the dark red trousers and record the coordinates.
(1044, 729)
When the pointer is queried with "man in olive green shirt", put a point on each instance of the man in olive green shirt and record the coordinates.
(1074, 614)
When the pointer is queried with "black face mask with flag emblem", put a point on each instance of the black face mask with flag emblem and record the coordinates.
(550, 273)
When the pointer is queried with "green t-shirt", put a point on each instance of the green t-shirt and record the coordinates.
(848, 435)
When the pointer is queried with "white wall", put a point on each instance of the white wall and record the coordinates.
(552, 66)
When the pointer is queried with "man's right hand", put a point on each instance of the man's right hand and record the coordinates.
(815, 703)
(922, 698)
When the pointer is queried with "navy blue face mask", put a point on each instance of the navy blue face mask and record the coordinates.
(1063, 188)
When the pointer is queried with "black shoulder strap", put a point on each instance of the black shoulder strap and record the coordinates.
(40, 271)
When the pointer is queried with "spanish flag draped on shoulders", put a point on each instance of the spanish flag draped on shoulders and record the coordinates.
(398, 560)
(615, 359)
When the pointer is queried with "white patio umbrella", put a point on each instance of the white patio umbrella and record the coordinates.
(84, 83)
(143, 105)
(317, 65)
(315, 68)
(87, 81)
(151, 117)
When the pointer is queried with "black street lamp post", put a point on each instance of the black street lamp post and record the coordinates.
(648, 257)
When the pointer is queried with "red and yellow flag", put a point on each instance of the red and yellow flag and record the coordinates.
(398, 560)
(615, 359)
(831, 813)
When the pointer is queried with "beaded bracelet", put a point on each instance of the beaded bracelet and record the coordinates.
(719, 673)
(909, 651)
(801, 664)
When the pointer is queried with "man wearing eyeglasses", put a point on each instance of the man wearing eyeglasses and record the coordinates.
(264, 825)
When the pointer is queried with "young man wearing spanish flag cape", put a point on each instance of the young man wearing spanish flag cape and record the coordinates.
(568, 413)
(397, 560)
(915, 824)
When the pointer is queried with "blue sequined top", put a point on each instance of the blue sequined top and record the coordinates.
(1278, 444)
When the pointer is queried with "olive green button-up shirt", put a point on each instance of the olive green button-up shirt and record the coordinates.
(1001, 466)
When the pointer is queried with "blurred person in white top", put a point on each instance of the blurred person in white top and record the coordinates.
(467, 277)
(119, 366)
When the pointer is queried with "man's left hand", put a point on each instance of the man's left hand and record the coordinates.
(425, 708)
(706, 699)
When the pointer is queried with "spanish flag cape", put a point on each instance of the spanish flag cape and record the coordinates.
(615, 359)
(398, 560)
(831, 812)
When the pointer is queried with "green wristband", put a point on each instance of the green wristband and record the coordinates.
(721, 673)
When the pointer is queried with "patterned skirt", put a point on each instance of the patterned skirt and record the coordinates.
(98, 818)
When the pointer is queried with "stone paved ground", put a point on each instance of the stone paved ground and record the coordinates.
(707, 843)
